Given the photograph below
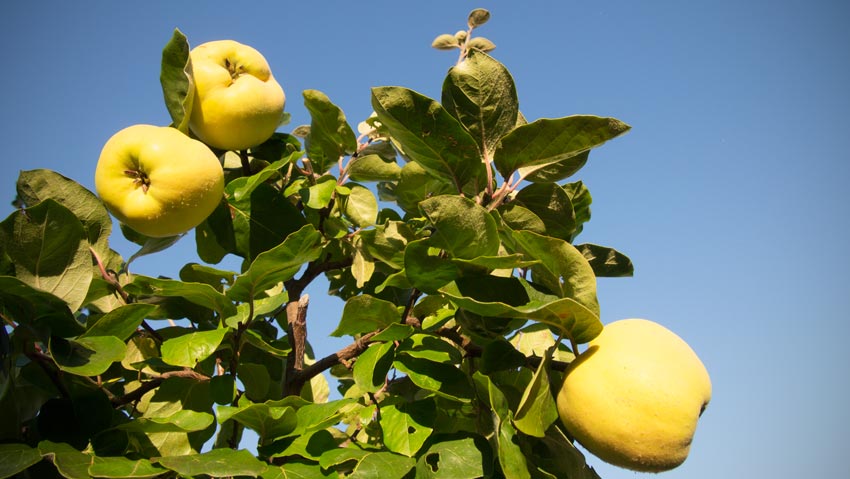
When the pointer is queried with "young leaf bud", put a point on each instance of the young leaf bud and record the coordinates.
(482, 44)
(478, 17)
(445, 42)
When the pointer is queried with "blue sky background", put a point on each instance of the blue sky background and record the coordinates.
(729, 194)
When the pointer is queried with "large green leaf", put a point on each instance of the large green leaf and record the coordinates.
(255, 222)
(550, 203)
(89, 356)
(360, 206)
(562, 268)
(15, 458)
(244, 188)
(406, 426)
(49, 248)
(172, 396)
(121, 322)
(117, 467)
(464, 229)
(492, 296)
(606, 262)
(555, 172)
(178, 88)
(330, 136)
(277, 264)
(429, 135)
(511, 458)
(537, 410)
(365, 313)
(452, 459)
(373, 167)
(369, 464)
(181, 421)
(32, 307)
(198, 293)
(371, 368)
(580, 199)
(215, 463)
(548, 141)
(445, 380)
(267, 420)
(480, 92)
(415, 184)
(35, 186)
(190, 349)
(426, 269)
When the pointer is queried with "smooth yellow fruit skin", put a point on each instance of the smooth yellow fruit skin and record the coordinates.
(238, 103)
(634, 396)
(185, 180)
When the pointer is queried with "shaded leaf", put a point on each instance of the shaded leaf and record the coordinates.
(537, 410)
(372, 366)
(267, 420)
(215, 463)
(481, 44)
(552, 205)
(478, 17)
(373, 168)
(442, 379)
(35, 186)
(452, 459)
(606, 262)
(406, 426)
(198, 293)
(15, 458)
(88, 356)
(426, 269)
(415, 184)
(48, 246)
(30, 306)
(557, 171)
(256, 222)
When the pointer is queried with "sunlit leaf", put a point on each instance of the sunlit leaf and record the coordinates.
(215, 463)
(537, 410)
(429, 135)
(197, 293)
(372, 366)
(176, 79)
(406, 426)
(87, 356)
(117, 467)
(452, 459)
(365, 313)
(121, 322)
(463, 228)
(330, 136)
(189, 349)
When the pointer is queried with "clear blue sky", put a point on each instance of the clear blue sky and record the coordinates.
(730, 194)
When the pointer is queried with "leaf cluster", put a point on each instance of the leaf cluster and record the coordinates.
(446, 226)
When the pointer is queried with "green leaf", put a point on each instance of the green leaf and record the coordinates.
(48, 246)
(319, 194)
(430, 347)
(268, 421)
(445, 380)
(429, 135)
(199, 273)
(481, 94)
(556, 455)
(580, 199)
(15, 458)
(548, 141)
(550, 203)
(511, 458)
(70, 462)
(296, 470)
(407, 426)
(606, 262)
(452, 459)
(197, 293)
(372, 366)
(563, 269)
(173, 395)
(256, 378)
(180, 421)
(557, 171)
(189, 349)
(369, 464)
(360, 206)
(426, 269)
(500, 355)
(121, 322)
(330, 136)
(277, 264)
(416, 184)
(537, 410)
(491, 296)
(35, 186)
(243, 189)
(373, 168)
(178, 88)
(116, 467)
(216, 463)
(365, 313)
(466, 230)
(89, 356)
(256, 222)
(32, 307)
(490, 263)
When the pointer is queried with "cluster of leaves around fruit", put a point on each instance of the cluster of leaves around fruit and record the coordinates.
(465, 295)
